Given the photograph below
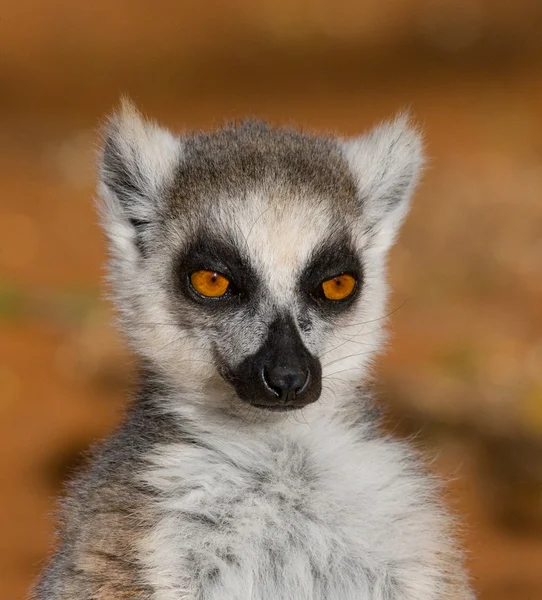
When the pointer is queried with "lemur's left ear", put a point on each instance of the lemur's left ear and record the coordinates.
(136, 165)
(386, 163)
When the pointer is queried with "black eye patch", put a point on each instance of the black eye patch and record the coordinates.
(335, 257)
(212, 253)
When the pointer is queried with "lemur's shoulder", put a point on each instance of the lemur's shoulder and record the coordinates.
(106, 509)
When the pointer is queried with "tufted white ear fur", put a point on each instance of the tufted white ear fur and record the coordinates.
(385, 163)
(136, 164)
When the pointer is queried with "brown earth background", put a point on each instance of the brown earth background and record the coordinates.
(463, 375)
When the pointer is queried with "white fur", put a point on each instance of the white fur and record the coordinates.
(288, 497)
(367, 520)
(386, 163)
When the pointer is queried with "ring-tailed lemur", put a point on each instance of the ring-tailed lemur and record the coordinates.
(248, 268)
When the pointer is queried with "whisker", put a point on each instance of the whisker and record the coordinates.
(352, 341)
(341, 344)
(330, 390)
(332, 362)
(331, 375)
(350, 338)
(386, 316)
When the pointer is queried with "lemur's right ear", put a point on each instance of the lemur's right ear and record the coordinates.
(137, 163)
(385, 163)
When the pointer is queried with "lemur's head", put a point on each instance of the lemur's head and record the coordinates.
(248, 263)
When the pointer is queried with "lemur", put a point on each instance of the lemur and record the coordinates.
(248, 268)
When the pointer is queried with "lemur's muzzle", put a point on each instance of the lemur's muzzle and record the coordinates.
(282, 374)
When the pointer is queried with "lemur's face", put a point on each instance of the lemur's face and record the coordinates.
(248, 263)
(262, 286)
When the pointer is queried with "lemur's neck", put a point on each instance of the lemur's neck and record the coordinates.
(183, 420)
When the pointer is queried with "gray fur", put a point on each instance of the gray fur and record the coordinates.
(199, 496)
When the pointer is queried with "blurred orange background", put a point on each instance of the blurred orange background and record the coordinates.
(464, 371)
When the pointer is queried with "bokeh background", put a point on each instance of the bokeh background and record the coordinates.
(464, 372)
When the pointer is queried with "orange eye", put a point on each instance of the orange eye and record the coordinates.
(209, 283)
(338, 288)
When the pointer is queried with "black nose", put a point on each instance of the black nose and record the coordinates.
(286, 382)
(282, 375)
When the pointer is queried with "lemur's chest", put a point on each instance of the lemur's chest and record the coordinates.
(288, 523)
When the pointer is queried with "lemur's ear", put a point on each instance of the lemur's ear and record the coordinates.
(386, 163)
(136, 165)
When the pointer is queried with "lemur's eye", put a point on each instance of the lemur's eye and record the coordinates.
(339, 287)
(209, 283)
